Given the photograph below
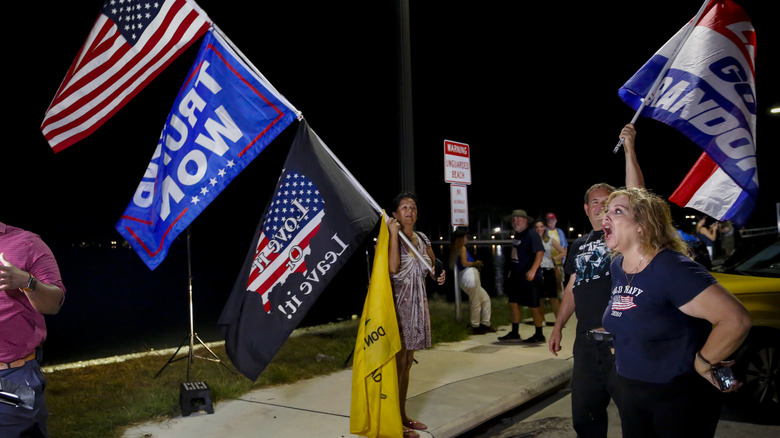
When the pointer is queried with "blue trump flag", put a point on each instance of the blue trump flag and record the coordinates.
(224, 116)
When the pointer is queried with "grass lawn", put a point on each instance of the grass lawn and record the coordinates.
(103, 400)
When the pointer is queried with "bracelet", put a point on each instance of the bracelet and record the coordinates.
(698, 354)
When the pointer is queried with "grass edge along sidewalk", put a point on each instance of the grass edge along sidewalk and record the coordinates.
(92, 400)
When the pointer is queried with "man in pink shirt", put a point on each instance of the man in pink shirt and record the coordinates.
(30, 286)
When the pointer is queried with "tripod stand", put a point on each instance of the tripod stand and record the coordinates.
(192, 336)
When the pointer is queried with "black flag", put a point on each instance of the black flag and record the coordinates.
(316, 219)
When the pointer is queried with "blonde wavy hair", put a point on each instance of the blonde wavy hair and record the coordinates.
(652, 214)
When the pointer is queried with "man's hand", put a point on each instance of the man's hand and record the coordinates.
(11, 277)
(554, 343)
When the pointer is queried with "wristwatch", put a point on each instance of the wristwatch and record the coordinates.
(32, 283)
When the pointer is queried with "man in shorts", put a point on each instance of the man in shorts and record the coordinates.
(524, 282)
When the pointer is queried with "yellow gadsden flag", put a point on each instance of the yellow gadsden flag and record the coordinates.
(376, 409)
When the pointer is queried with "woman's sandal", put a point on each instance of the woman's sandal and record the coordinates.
(416, 425)
(409, 433)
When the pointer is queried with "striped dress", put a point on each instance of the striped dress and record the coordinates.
(411, 301)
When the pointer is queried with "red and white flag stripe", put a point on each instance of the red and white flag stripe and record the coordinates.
(109, 71)
(708, 189)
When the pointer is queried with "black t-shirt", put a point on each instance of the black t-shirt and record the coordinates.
(588, 258)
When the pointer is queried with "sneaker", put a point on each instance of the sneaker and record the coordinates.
(511, 336)
(535, 339)
(487, 328)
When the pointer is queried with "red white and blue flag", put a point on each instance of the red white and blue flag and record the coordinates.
(131, 42)
(623, 302)
(708, 94)
(226, 113)
(292, 219)
(316, 219)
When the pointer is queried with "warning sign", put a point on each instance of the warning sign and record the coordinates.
(457, 162)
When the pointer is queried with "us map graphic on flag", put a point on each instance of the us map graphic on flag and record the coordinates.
(293, 218)
(317, 217)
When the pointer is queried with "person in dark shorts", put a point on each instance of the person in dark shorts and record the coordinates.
(524, 282)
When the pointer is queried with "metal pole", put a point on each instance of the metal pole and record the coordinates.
(406, 132)
(455, 280)
(192, 323)
(457, 291)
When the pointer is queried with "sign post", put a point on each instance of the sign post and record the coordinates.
(457, 172)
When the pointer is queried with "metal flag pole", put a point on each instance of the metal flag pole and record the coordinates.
(651, 95)
(192, 336)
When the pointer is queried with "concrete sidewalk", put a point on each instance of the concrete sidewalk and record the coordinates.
(454, 387)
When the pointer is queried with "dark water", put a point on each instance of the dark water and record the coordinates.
(116, 305)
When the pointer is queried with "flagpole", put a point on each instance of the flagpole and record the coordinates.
(255, 70)
(651, 95)
(370, 200)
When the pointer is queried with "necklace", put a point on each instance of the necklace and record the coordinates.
(636, 271)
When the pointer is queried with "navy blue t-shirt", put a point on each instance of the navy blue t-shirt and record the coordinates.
(654, 340)
(527, 243)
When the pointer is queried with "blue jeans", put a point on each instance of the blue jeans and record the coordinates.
(21, 422)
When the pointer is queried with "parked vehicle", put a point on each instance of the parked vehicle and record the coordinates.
(755, 281)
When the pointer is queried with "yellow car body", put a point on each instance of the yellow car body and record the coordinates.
(760, 295)
(755, 281)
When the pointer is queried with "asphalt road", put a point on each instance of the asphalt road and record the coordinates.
(550, 417)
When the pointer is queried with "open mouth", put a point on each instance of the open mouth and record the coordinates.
(607, 232)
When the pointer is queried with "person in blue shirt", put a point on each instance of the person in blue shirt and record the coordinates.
(525, 285)
(673, 323)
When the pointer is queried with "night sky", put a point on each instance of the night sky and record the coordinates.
(532, 90)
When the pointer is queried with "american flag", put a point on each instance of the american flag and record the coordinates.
(131, 42)
(292, 219)
(623, 302)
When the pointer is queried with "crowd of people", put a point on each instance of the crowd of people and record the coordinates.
(654, 329)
